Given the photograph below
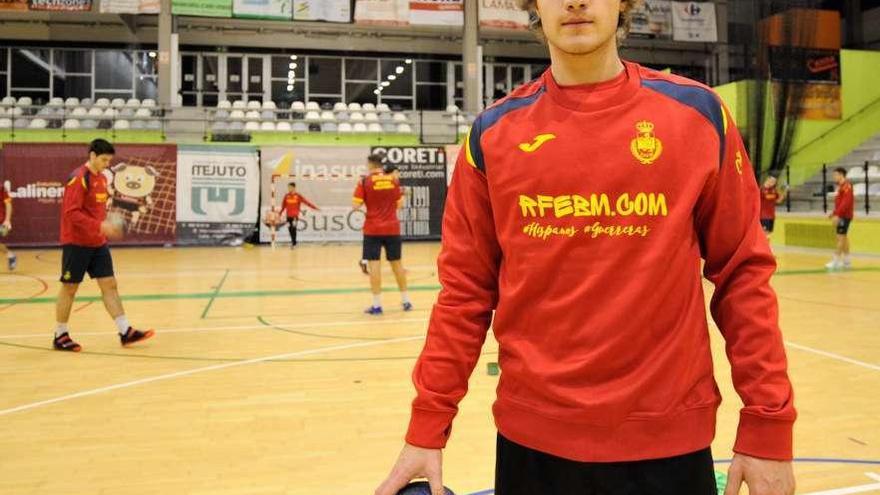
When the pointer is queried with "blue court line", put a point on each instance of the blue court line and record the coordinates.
(804, 460)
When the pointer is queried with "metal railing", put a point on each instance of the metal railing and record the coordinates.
(818, 193)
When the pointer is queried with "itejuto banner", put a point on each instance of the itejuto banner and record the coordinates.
(326, 176)
(437, 12)
(382, 12)
(423, 179)
(322, 10)
(142, 181)
(218, 191)
(14, 5)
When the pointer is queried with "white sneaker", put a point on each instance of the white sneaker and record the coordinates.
(847, 264)
(833, 264)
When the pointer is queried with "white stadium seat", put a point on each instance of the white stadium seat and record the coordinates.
(252, 126)
(327, 116)
(117, 103)
(382, 107)
(71, 124)
(371, 117)
(102, 102)
(149, 103)
(236, 115)
(298, 106)
(344, 127)
(79, 112)
(254, 105)
(374, 127)
(8, 101)
(267, 126)
(283, 126)
(313, 106)
(404, 129)
(5, 123)
(55, 102)
(356, 117)
(313, 116)
(143, 113)
(252, 115)
(368, 107)
(239, 104)
(300, 127)
(25, 101)
(354, 107)
(122, 125)
(452, 109)
(95, 112)
(224, 104)
(359, 127)
(269, 105)
(133, 103)
(399, 117)
(340, 107)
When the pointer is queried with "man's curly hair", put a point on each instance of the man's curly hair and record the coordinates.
(623, 22)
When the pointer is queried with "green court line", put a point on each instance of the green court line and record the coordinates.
(223, 295)
(216, 292)
(337, 291)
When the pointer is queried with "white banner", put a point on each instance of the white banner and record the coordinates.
(217, 194)
(694, 21)
(129, 6)
(262, 9)
(502, 14)
(322, 10)
(386, 12)
(437, 12)
(325, 176)
(652, 19)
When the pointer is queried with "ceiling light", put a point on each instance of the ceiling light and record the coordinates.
(408, 61)
(290, 87)
(399, 70)
(293, 57)
(392, 77)
(385, 84)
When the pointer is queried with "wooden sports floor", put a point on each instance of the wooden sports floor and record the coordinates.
(265, 378)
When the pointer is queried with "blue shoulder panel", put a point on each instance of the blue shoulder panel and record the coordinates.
(699, 99)
(491, 117)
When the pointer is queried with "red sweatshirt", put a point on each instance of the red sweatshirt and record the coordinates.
(5, 202)
(84, 209)
(380, 193)
(580, 216)
(844, 203)
(769, 200)
(293, 202)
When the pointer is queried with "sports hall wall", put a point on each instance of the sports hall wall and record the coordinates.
(825, 141)
(221, 195)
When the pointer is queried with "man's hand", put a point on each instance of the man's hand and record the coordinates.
(762, 476)
(414, 462)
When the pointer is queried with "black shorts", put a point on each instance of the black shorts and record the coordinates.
(767, 224)
(520, 470)
(373, 245)
(843, 225)
(76, 261)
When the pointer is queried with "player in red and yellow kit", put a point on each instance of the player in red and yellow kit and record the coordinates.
(6, 226)
(581, 212)
(841, 218)
(380, 193)
(770, 197)
(84, 234)
(291, 205)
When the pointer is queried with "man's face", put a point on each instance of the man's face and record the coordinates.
(838, 177)
(291, 189)
(579, 27)
(100, 162)
(770, 182)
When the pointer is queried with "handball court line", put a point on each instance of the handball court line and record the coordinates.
(205, 369)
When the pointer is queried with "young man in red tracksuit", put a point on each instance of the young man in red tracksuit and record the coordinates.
(770, 197)
(380, 193)
(84, 233)
(292, 203)
(841, 218)
(580, 212)
(6, 226)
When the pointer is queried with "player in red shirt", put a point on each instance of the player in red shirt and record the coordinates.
(581, 213)
(291, 204)
(84, 233)
(6, 225)
(380, 193)
(841, 218)
(770, 197)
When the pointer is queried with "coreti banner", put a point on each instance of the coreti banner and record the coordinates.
(322, 10)
(437, 12)
(202, 8)
(423, 178)
(326, 176)
(652, 19)
(142, 182)
(503, 14)
(61, 5)
(129, 6)
(694, 21)
(218, 191)
(382, 12)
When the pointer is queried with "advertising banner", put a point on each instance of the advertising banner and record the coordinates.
(423, 178)
(13, 5)
(61, 5)
(262, 9)
(502, 14)
(652, 19)
(322, 10)
(437, 12)
(325, 176)
(129, 6)
(218, 190)
(203, 8)
(383, 12)
(142, 183)
(694, 21)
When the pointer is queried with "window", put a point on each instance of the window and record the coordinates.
(360, 93)
(146, 64)
(65, 86)
(210, 77)
(75, 61)
(431, 72)
(113, 70)
(398, 104)
(30, 68)
(4, 91)
(431, 97)
(282, 66)
(146, 87)
(401, 85)
(284, 97)
(360, 69)
(325, 75)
